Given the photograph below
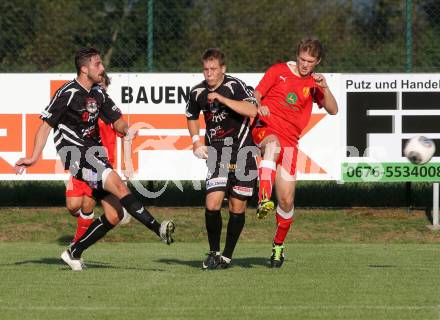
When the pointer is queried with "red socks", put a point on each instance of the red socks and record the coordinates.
(83, 223)
(284, 221)
(266, 173)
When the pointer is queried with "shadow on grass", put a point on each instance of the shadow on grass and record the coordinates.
(64, 239)
(250, 262)
(89, 264)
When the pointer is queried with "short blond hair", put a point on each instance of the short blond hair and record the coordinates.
(311, 45)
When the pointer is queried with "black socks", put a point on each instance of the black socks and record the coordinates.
(96, 231)
(213, 221)
(235, 226)
(137, 210)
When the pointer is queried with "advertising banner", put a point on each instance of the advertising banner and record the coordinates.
(154, 103)
(378, 113)
(381, 112)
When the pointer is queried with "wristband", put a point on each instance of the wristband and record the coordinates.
(195, 138)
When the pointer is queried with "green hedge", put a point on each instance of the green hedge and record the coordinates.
(308, 194)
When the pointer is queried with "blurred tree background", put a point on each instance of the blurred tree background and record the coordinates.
(170, 35)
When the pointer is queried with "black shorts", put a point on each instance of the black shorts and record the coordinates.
(89, 165)
(237, 180)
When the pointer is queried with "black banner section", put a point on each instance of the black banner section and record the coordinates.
(360, 124)
(421, 100)
(420, 124)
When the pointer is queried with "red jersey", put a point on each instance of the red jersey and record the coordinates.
(289, 99)
(108, 137)
(79, 188)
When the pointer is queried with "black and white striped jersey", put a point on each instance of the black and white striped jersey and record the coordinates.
(73, 114)
(222, 122)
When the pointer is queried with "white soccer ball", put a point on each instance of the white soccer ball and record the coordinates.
(419, 149)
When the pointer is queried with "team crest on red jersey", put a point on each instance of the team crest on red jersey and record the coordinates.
(261, 134)
(306, 92)
(91, 105)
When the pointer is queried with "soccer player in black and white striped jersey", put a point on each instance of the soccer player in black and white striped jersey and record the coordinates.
(73, 114)
(227, 104)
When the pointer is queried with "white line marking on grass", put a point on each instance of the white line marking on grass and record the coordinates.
(251, 308)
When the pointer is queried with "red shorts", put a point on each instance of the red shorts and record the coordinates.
(289, 147)
(77, 188)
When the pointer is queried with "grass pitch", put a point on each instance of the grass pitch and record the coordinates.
(331, 271)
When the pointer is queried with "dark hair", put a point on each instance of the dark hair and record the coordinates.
(311, 45)
(214, 53)
(106, 80)
(83, 56)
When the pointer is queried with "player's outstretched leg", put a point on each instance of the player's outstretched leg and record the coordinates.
(136, 209)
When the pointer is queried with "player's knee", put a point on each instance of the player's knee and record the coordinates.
(74, 211)
(213, 207)
(237, 209)
(73, 207)
(237, 206)
(87, 207)
(117, 187)
(213, 204)
(271, 149)
(113, 218)
(122, 188)
(285, 203)
(88, 204)
(111, 180)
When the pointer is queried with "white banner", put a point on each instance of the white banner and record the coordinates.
(163, 149)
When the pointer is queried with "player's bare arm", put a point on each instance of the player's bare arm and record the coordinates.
(199, 148)
(329, 101)
(261, 110)
(242, 107)
(40, 141)
(121, 126)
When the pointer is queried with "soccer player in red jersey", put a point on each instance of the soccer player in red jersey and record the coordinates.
(285, 97)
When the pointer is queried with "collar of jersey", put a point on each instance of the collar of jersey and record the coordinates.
(88, 91)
